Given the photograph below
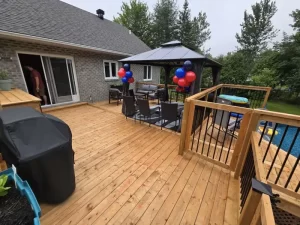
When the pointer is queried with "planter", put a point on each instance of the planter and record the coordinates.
(5, 85)
(24, 190)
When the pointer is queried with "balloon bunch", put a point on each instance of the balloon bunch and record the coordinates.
(126, 74)
(184, 77)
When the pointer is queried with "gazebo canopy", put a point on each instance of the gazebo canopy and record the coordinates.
(173, 53)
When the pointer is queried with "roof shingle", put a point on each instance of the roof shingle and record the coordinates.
(56, 20)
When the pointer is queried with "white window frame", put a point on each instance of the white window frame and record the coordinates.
(110, 71)
(147, 72)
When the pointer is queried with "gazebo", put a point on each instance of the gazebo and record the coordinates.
(174, 54)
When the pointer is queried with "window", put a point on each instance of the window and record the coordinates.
(110, 69)
(147, 73)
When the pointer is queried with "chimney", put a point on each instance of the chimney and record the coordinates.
(100, 13)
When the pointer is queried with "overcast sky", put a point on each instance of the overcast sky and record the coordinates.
(224, 16)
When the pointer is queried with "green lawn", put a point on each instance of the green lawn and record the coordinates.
(283, 107)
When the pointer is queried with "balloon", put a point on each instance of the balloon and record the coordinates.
(190, 76)
(187, 89)
(126, 67)
(124, 79)
(182, 82)
(128, 74)
(131, 80)
(187, 83)
(121, 72)
(175, 79)
(179, 89)
(180, 73)
(187, 65)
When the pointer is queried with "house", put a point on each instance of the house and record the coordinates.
(75, 51)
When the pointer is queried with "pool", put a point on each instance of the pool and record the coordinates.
(288, 139)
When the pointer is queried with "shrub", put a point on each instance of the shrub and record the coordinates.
(3, 75)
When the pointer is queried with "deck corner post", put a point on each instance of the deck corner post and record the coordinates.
(185, 119)
(266, 97)
(250, 207)
(249, 124)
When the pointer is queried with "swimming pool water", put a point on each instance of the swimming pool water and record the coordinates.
(288, 139)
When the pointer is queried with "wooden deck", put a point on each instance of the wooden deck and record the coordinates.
(129, 173)
(16, 97)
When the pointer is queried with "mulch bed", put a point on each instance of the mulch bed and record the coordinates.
(15, 208)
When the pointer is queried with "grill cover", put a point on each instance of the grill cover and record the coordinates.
(40, 146)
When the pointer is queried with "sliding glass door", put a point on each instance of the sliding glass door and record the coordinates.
(60, 79)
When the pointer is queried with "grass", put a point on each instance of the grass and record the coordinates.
(283, 107)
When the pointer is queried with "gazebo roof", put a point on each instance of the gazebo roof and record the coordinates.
(171, 53)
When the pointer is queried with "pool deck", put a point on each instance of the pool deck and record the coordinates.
(130, 173)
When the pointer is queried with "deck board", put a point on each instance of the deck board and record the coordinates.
(129, 173)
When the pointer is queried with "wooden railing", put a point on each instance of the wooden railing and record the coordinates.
(201, 108)
(255, 206)
(249, 151)
(281, 166)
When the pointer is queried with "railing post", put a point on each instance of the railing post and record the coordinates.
(243, 144)
(184, 125)
(266, 98)
(250, 207)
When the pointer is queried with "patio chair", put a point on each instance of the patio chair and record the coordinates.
(114, 94)
(160, 95)
(169, 112)
(145, 110)
(130, 107)
(223, 119)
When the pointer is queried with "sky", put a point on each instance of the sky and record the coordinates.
(224, 16)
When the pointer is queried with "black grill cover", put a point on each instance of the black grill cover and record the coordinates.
(40, 146)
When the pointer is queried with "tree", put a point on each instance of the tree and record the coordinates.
(264, 71)
(200, 29)
(164, 26)
(192, 32)
(136, 17)
(235, 68)
(257, 29)
(296, 16)
(185, 26)
(288, 62)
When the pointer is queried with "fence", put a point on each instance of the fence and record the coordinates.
(206, 124)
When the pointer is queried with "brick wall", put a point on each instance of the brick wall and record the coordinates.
(88, 66)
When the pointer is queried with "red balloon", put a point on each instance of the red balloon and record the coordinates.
(175, 79)
(182, 82)
(179, 89)
(187, 83)
(190, 76)
(131, 80)
(121, 72)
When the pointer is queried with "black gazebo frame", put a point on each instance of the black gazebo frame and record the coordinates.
(174, 54)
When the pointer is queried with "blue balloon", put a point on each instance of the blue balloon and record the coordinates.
(128, 74)
(126, 67)
(188, 65)
(180, 73)
(187, 89)
(124, 79)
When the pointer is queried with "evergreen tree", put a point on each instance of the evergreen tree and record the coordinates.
(192, 33)
(200, 31)
(164, 27)
(296, 17)
(136, 17)
(257, 29)
(185, 26)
